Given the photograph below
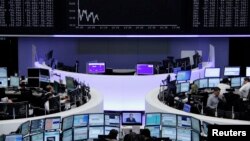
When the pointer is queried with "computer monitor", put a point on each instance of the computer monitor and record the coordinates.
(3, 72)
(213, 82)
(187, 108)
(108, 128)
(168, 132)
(25, 128)
(70, 83)
(153, 119)
(37, 126)
(67, 122)
(176, 70)
(81, 120)
(52, 123)
(96, 119)
(14, 137)
(183, 75)
(52, 136)
(44, 72)
(131, 118)
(3, 82)
(185, 87)
(235, 82)
(195, 136)
(34, 82)
(212, 72)
(183, 121)
(144, 69)
(80, 133)
(196, 124)
(203, 83)
(14, 81)
(154, 131)
(37, 137)
(205, 127)
(95, 68)
(178, 88)
(231, 71)
(112, 119)
(95, 131)
(183, 134)
(27, 138)
(33, 72)
(169, 120)
(67, 135)
(247, 71)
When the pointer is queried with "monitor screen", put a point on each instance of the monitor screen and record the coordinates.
(213, 82)
(70, 83)
(196, 124)
(94, 68)
(185, 87)
(33, 82)
(231, 71)
(183, 121)
(183, 134)
(3, 72)
(52, 123)
(27, 138)
(197, 82)
(195, 136)
(95, 131)
(203, 83)
(52, 136)
(169, 120)
(96, 119)
(112, 120)
(132, 118)
(176, 70)
(183, 75)
(248, 71)
(236, 82)
(67, 122)
(168, 132)
(205, 127)
(15, 137)
(187, 108)
(14, 81)
(44, 72)
(212, 72)
(153, 119)
(154, 131)
(3, 82)
(108, 128)
(145, 69)
(80, 133)
(81, 120)
(25, 127)
(178, 88)
(37, 126)
(33, 72)
(67, 135)
(37, 137)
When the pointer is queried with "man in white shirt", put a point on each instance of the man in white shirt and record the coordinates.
(223, 85)
(244, 90)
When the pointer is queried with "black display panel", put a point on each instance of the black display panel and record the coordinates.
(119, 17)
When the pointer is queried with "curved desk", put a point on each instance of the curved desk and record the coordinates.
(153, 104)
(121, 92)
(94, 105)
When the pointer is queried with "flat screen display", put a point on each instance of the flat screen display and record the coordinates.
(25, 128)
(81, 133)
(37, 126)
(3, 72)
(33, 82)
(169, 120)
(196, 124)
(14, 137)
(185, 87)
(183, 134)
(144, 69)
(183, 121)
(37, 137)
(67, 135)
(33, 72)
(178, 88)
(14, 81)
(203, 83)
(67, 122)
(3, 82)
(81, 120)
(236, 82)
(187, 108)
(27, 138)
(247, 71)
(168, 132)
(183, 75)
(195, 136)
(231, 71)
(132, 118)
(70, 83)
(212, 72)
(94, 68)
(213, 82)
(108, 128)
(96, 119)
(52, 136)
(112, 120)
(95, 131)
(153, 119)
(154, 131)
(52, 123)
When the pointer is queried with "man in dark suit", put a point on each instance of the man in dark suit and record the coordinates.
(130, 118)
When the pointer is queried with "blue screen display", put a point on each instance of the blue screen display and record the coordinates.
(183, 75)
(81, 120)
(153, 119)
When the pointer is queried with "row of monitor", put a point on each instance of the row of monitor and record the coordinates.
(14, 81)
